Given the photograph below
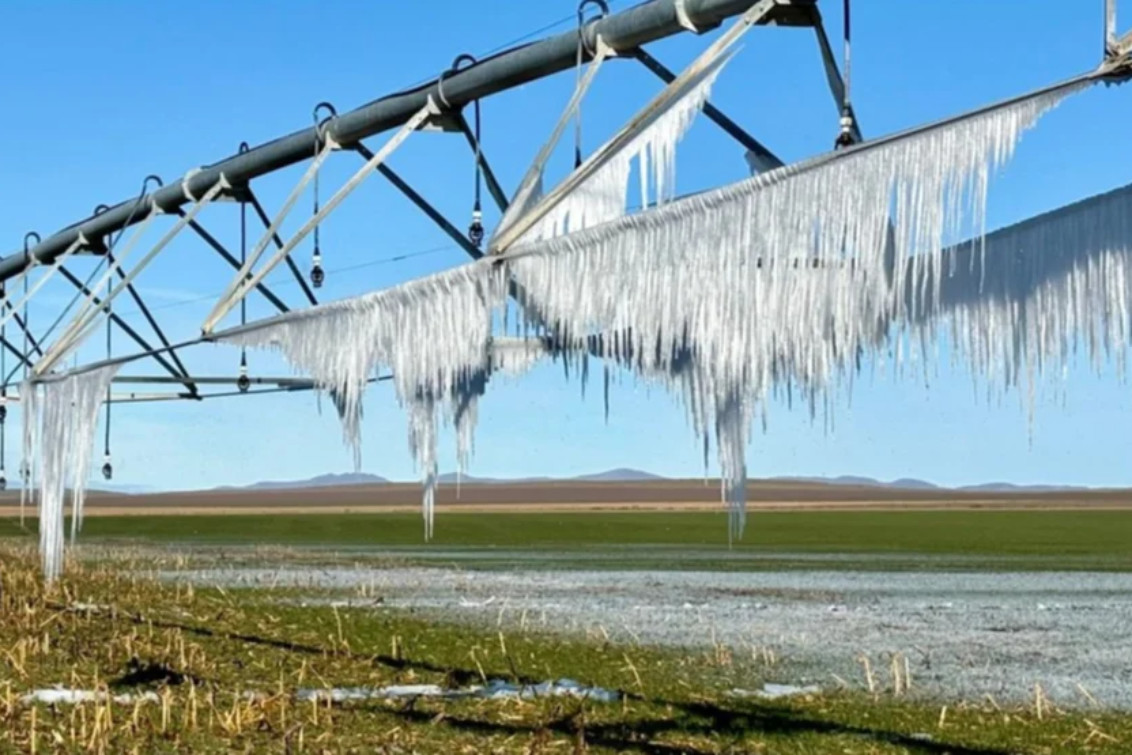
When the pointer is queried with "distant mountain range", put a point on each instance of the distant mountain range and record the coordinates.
(362, 478)
(636, 475)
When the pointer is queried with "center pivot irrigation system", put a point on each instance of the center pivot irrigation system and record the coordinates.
(780, 284)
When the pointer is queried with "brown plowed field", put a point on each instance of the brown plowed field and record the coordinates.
(579, 496)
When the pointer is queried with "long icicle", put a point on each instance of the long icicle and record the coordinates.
(59, 432)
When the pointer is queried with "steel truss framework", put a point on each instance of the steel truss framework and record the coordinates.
(439, 104)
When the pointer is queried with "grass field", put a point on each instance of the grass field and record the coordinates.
(1019, 539)
(209, 670)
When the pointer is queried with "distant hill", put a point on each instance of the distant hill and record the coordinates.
(904, 483)
(619, 475)
(1007, 487)
(908, 483)
(321, 481)
(623, 474)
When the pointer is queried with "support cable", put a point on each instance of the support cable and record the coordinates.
(43, 279)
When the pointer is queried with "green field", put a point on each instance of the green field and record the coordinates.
(1019, 539)
(225, 671)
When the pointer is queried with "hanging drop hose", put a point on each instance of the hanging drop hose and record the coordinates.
(603, 11)
(475, 229)
(3, 404)
(25, 464)
(107, 467)
(845, 135)
(243, 383)
(318, 275)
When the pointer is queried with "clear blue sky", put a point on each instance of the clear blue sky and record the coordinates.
(97, 95)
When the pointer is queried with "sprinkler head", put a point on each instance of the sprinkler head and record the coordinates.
(845, 136)
(243, 383)
(107, 469)
(317, 275)
(475, 230)
(3, 412)
(3, 480)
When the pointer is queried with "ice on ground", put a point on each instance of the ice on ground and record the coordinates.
(964, 634)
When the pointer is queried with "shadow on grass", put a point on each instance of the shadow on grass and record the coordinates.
(696, 718)
(723, 723)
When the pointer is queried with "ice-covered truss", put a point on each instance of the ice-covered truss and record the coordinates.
(787, 280)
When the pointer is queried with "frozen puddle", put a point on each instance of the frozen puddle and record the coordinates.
(964, 634)
(777, 691)
(495, 689)
(65, 696)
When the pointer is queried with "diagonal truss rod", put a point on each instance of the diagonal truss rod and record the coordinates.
(710, 57)
(434, 215)
(133, 292)
(253, 200)
(493, 186)
(33, 343)
(241, 284)
(228, 257)
(81, 326)
(757, 149)
(125, 326)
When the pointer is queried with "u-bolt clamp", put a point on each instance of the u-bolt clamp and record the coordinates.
(27, 245)
(603, 11)
(454, 68)
(321, 125)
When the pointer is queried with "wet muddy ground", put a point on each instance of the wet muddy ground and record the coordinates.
(965, 635)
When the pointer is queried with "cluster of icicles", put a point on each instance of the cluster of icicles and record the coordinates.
(785, 281)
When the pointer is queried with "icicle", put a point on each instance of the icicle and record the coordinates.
(1019, 307)
(59, 429)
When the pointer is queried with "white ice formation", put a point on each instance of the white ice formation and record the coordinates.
(779, 280)
(782, 280)
(59, 429)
